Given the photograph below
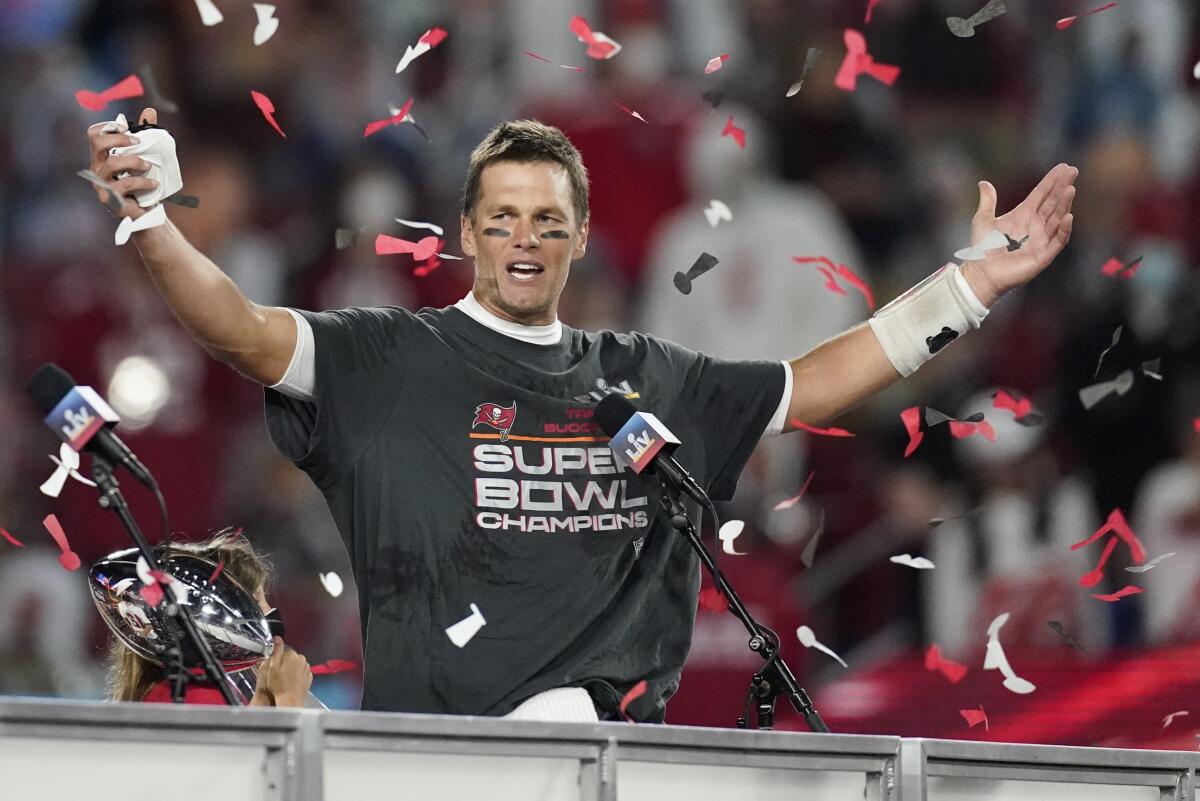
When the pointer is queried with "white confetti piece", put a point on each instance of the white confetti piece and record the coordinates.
(1167, 720)
(209, 14)
(67, 466)
(437, 229)
(332, 583)
(428, 40)
(809, 640)
(1089, 396)
(716, 212)
(918, 562)
(729, 532)
(151, 219)
(993, 241)
(267, 23)
(995, 659)
(461, 632)
(1153, 563)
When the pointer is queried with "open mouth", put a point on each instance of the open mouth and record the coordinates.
(524, 270)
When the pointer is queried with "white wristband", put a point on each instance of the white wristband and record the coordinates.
(922, 321)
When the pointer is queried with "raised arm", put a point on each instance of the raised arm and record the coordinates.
(842, 372)
(257, 341)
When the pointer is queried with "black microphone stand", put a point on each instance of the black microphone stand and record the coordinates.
(177, 672)
(774, 678)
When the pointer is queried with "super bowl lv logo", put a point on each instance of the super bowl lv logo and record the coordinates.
(498, 417)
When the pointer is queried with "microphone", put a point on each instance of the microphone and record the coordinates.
(82, 419)
(641, 442)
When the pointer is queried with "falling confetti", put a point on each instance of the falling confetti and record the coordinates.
(12, 540)
(713, 600)
(937, 521)
(960, 429)
(1067, 22)
(911, 417)
(843, 271)
(1117, 525)
(630, 112)
(716, 212)
(825, 432)
(1151, 368)
(333, 666)
(68, 558)
(1166, 721)
(1116, 337)
(858, 62)
(332, 583)
(429, 40)
(953, 671)
(852, 278)
(790, 502)
(1022, 409)
(809, 554)
(965, 28)
(1089, 396)
(66, 466)
(267, 23)
(730, 530)
(437, 229)
(995, 659)
(933, 417)
(809, 640)
(635, 692)
(917, 562)
(220, 569)
(532, 54)
(1113, 597)
(461, 632)
(810, 63)
(734, 132)
(209, 14)
(1066, 638)
(1153, 563)
(124, 89)
(715, 63)
(704, 262)
(429, 266)
(1114, 268)
(599, 46)
(268, 110)
(994, 240)
(396, 118)
(128, 226)
(974, 717)
(388, 245)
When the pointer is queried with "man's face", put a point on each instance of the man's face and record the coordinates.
(523, 236)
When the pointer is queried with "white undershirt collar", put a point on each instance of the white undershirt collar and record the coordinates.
(536, 334)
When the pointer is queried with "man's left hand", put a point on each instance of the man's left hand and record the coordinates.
(1044, 217)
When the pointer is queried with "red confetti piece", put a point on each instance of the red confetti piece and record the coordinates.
(152, 594)
(635, 692)
(395, 119)
(121, 90)
(1067, 22)
(1117, 524)
(599, 46)
(857, 283)
(333, 666)
(858, 62)
(953, 671)
(1093, 576)
(421, 251)
(790, 502)
(845, 272)
(736, 133)
(960, 429)
(974, 717)
(870, 9)
(433, 37)
(1019, 408)
(1115, 268)
(268, 110)
(631, 112)
(68, 558)
(532, 54)
(715, 63)
(826, 432)
(713, 600)
(428, 267)
(11, 538)
(217, 572)
(911, 418)
(1128, 589)
(831, 283)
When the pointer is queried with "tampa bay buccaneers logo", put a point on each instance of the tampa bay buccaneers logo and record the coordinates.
(498, 417)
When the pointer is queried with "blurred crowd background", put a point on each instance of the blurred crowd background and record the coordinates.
(883, 179)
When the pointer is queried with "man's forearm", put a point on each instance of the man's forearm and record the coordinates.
(837, 375)
(205, 300)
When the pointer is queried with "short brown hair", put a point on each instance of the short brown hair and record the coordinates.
(526, 141)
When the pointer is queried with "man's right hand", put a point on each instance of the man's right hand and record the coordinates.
(107, 166)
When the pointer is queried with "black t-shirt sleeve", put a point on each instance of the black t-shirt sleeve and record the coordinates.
(730, 403)
(361, 360)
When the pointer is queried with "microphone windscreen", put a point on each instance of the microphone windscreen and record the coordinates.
(48, 386)
(613, 413)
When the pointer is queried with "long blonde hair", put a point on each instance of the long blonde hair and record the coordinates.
(131, 675)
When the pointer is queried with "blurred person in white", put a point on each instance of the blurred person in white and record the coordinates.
(1167, 519)
(1014, 553)
(757, 301)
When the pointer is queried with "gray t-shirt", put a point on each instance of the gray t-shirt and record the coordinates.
(461, 467)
